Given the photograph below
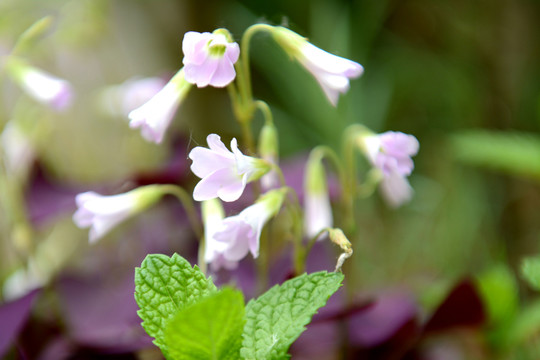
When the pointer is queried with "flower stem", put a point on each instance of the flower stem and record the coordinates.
(243, 103)
(265, 110)
(245, 43)
(189, 206)
(187, 202)
(299, 256)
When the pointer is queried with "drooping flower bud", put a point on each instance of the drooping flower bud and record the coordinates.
(317, 207)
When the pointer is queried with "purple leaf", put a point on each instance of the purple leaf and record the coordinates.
(463, 307)
(13, 316)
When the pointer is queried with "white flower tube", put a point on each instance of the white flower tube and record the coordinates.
(40, 85)
(102, 213)
(241, 233)
(213, 214)
(155, 116)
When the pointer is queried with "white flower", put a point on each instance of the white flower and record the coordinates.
(155, 116)
(209, 58)
(102, 213)
(223, 173)
(42, 86)
(213, 214)
(391, 153)
(121, 99)
(241, 233)
(331, 72)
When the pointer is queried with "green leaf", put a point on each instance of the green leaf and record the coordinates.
(530, 268)
(278, 317)
(511, 152)
(210, 329)
(499, 291)
(163, 287)
(525, 327)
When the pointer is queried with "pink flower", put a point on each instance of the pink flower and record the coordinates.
(224, 173)
(155, 116)
(391, 153)
(331, 72)
(241, 233)
(42, 86)
(102, 213)
(209, 58)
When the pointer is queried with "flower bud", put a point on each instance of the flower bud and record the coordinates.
(317, 207)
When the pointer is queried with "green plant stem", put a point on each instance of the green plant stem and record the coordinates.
(189, 206)
(243, 103)
(245, 43)
(297, 221)
(265, 110)
(350, 189)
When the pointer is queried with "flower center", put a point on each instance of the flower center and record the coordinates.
(216, 50)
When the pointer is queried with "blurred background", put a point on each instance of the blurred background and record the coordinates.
(461, 76)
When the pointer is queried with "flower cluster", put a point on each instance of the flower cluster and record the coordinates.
(212, 59)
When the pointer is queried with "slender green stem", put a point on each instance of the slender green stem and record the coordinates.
(297, 221)
(246, 40)
(243, 98)
(263, 263)
(193, 218)
(265, 110)
(188, 204)
(350, 190)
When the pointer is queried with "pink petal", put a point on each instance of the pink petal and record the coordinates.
(214, 142)
(233, 190)
(233, 52)
(206, 161)
(201, 75)
(223, 182)
(396, 189)
(224, 74)
(193, 47)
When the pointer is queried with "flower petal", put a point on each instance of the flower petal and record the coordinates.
(206, 161)
(396, 189)
(222, 183)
